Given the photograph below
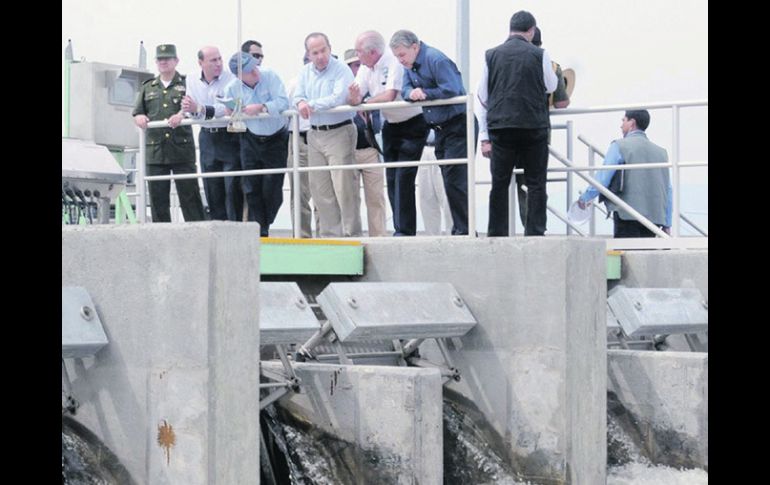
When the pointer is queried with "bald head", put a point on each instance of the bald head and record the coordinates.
(210, 61)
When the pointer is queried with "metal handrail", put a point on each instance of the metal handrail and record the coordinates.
(296, 169)
(674, 164)
(624, 107)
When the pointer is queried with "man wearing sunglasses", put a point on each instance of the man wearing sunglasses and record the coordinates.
(253, 48)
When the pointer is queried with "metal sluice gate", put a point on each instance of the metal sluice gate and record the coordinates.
(645, 317)
(365, 323)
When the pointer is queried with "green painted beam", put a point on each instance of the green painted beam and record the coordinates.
(613, 265)
(280, 256)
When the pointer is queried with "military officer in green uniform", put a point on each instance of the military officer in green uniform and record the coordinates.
(172, 149)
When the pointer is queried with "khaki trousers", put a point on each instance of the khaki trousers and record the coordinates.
(335, 192)
(374, 193)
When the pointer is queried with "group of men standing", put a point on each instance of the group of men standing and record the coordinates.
(517, 78)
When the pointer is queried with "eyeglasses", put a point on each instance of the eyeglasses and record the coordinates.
(257, 55)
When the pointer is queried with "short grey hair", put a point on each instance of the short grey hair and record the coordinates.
(372, 40)
(405, 38)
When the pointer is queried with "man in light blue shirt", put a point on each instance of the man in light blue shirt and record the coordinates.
(323, 84)
(648, 191)
(265, 142)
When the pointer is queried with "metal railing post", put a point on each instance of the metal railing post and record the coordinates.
(570, 148)
(675, 172)
(471, 165)
(141, 186)
(295, 177)
(592, 221)
(513, 199)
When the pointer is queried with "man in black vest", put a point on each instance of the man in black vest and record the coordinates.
(517, 75)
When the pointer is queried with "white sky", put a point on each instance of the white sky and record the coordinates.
(623, 51)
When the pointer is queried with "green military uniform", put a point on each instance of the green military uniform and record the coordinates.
(165, 145)
(169, 149)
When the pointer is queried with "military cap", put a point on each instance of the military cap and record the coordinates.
(165, 51)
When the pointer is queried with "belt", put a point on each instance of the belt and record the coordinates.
(444, 125)
(214, 130)
(331, 127)
(264, 138)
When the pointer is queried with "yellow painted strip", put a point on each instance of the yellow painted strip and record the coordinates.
(613, 252)
(309, 242)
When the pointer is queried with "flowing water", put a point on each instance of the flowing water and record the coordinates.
(85, 460)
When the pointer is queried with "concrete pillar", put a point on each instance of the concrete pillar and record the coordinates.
(664, 399)
(534, 364)
(174, 394)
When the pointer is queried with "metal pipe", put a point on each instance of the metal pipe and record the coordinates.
(272, 397)
(141, 186)
(564, 219)
(271, 374)
(265, 171)
(360, 355)
(471, 168)
(345, 108)
(590, 145)
(624, 107)
(463, 40)
(295, 177)
(571, 156)
(67, 88)
(281, 349)
(693, 225)
(267, 385)
(675, 172)
(313, 341)
(513, 195)
(591, 163)
(412, 345)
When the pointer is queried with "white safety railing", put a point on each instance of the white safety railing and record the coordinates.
(295, 169)
(567, 160)
(674, 160)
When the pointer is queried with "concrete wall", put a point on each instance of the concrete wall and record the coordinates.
(664, 399)
(393, 413)
(180, 308)
(666, 269)
(535, 364)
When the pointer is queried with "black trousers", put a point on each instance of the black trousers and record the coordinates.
(264, 193)
(527, 149)
(187, 189)
(221, 152)
(403, 142)
(452, 142)
(623, 228)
